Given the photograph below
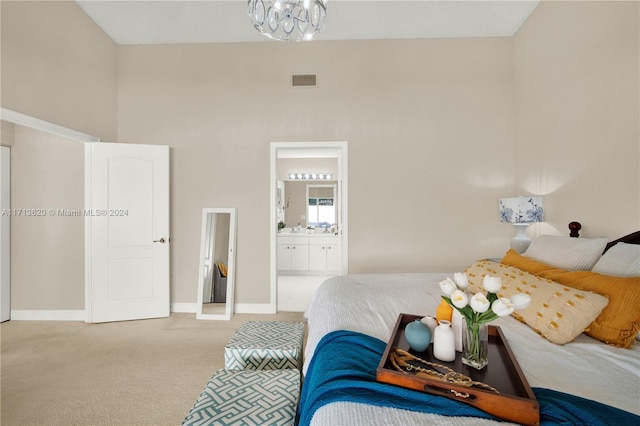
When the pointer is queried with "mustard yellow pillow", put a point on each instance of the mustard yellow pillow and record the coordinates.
(223, 269)
(558, 313)
(619, 322)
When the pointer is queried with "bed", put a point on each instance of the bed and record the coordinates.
(577, 377)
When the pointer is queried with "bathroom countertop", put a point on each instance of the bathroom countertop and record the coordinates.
(305, 233)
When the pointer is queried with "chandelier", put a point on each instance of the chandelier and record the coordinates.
(288, 20)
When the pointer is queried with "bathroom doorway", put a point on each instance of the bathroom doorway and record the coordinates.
(303, 253)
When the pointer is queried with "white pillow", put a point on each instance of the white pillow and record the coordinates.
(621, 260)
(574, 254)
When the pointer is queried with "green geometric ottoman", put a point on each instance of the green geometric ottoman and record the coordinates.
(265, 345)
(247, 397)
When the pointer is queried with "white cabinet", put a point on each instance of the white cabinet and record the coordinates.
(324, 254)
(333, 257)
(300, 257)
(308, 254)
(293, 254)
(317, 257)
(284, 257)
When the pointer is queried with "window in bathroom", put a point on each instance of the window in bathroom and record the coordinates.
(321, 207)
(320, 212)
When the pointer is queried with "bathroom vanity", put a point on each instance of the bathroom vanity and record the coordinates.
(308, 253)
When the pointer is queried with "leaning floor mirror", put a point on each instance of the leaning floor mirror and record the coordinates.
(217, 264)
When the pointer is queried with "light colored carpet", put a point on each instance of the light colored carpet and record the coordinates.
(146, 372)
(295, 291)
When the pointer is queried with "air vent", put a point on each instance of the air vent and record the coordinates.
(308, 80)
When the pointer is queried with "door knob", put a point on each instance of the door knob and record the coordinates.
(161, 241)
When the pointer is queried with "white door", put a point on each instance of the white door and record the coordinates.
(333, 257)
(317, 257)
(128, 224)
(300, 257)
(284, 257)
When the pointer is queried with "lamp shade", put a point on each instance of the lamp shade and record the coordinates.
(521, 210)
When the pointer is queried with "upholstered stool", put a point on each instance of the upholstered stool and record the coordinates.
(265, 345)
(247, 397)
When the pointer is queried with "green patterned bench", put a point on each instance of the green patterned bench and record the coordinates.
(247, 397)
(265, 345)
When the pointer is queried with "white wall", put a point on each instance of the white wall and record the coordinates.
(429, 124)
(57, 66)
(577, 68)
(47, 248)
(5, 232)
(437, 129)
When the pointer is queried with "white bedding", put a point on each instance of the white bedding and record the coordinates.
(370, 304)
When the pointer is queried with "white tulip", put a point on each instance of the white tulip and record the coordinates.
(479, 303)
(448, 286)
(461, 280)
(521, 300)
(502, 307)
(459, 299)
(492, 284)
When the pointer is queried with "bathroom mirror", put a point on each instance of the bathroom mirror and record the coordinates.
(296, 210)
(217, 264)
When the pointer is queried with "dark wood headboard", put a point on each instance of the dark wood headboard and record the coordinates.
(633, 238)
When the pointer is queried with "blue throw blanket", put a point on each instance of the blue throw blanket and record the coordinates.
(344, 369)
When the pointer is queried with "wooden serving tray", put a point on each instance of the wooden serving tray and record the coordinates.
(516, 401)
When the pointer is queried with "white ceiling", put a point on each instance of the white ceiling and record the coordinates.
(212, 21)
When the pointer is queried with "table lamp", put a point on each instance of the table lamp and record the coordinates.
(521, 212)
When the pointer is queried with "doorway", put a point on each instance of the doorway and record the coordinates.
(46, 185)
(297, 286)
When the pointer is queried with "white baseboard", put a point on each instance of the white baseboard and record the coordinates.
(187, 308)
(254, 308)
(239, 308)
(58, 315)
(79, 315)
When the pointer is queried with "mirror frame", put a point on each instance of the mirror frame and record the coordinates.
(231, 266)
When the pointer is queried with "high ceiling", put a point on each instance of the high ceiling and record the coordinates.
(213, 21)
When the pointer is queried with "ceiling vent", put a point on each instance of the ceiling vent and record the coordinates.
(304, 80)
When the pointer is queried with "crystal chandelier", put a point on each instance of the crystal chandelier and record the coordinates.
(288, 20)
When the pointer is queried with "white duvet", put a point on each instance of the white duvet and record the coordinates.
(370, 304)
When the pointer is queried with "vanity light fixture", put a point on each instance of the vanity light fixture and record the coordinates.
(521, 212)
(310, 176)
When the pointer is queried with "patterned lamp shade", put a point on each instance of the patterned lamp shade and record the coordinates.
(521, 210)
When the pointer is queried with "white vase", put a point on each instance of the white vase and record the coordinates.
(444, 344)
(457, 324)
(430, 322)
